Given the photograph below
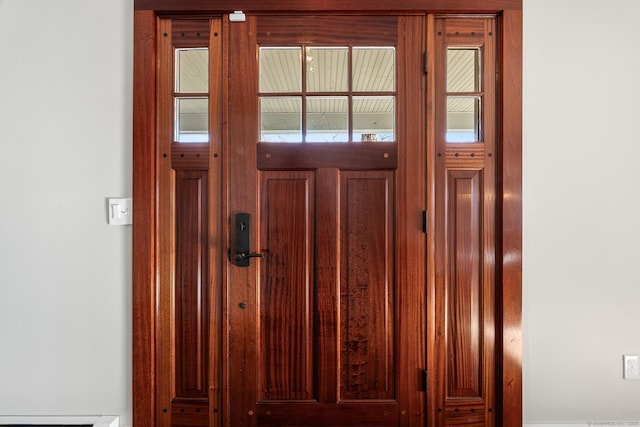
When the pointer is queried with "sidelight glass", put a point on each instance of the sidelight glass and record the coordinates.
(192, 119)
(463, 119)
(463, 70)
(192, 70)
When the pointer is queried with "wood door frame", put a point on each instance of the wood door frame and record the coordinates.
(509, 191)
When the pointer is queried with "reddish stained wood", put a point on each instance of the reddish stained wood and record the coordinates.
(378, 155)
(367, 286)
(192, 285)
(363, 30)
(327, 273)
(144, 183)
(329, 5)
(464, 293)
(410, 239)
(509, 257)
(287, 286)
(242, 192)
(510, 212)
(465, 185)
(346, 414)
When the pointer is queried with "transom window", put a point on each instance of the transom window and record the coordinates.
(320, 94)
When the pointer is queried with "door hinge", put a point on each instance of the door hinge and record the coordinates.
(426, 61)
(425, 380)
(425, 221)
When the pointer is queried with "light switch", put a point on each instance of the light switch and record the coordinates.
(120, 211)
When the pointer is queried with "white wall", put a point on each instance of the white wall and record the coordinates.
(581, 209)
(65, 145)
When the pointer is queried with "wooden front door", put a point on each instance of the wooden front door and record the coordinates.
(378, 191)
(327, 328)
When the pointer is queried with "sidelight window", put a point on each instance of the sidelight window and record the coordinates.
(191, 95)
(464, 95)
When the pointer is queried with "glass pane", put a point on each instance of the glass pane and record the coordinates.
(373, 118)
(463, 119)
(280, 69)
(463, 70)
(192, 70)
(327, 119)
(327, 69)
(192, 120)
(281, 119)
(374, 69)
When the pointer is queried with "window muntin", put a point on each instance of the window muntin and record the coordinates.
(340, 94)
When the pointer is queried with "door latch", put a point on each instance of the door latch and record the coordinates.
(240, 254)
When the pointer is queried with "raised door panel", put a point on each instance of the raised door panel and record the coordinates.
(286, 353)
(367, 288)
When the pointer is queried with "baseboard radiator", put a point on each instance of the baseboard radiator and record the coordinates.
(59, 421)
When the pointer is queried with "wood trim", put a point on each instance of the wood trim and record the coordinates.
(509, 257)
(328, 5)
(143, 281)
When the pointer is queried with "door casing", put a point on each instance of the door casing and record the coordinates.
(509, 191)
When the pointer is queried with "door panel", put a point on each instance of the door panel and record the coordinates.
(318, 337)
(287, 323)
(367, 286)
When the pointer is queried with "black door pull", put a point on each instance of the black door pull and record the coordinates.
(242, 251)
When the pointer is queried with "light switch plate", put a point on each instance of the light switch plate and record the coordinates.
(631, 370)
(120, 211)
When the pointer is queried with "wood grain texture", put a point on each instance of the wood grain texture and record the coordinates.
(510, 212)
(410, 238)
(361, 30)
(203, 6)
(144, 238)
(465, 324)
(378, 155)
(367, 286)
(216, 226)
(192, 285)
(165, 214)
(190, 32)
(346, 414)
(328, 279)
(287, 294)
(241, 370)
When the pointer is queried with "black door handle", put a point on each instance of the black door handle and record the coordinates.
(242, 251)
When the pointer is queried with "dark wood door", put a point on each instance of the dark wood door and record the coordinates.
(340, 151)
(328, 327)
